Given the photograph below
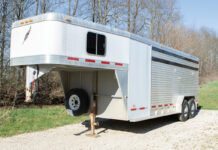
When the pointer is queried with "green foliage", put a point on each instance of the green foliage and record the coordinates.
(208, 96)
(25, 120)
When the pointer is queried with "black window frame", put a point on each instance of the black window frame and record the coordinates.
(97, 46)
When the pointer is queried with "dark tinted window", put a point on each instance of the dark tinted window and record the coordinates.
(91, 43)
(101, 45)
(92, 48)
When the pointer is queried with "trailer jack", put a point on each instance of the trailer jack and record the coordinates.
(93, 124)
(93, 116)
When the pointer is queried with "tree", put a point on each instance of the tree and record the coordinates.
(49, 5)
(37, 7)
(3, 30)
(74, 8)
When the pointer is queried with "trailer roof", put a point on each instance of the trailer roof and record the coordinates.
(96, 26)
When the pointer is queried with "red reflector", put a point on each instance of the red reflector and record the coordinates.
(73, 58)
(142, 108)
(133, 109)
(118, 64)
(166, 105)
(33, 84)
(90, 60)
(153, 106)
(159, 105)
(105, 62)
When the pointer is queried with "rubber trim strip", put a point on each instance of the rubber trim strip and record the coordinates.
(174, 55)
(173, 63)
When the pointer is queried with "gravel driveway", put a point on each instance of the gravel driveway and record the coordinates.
(162, 133)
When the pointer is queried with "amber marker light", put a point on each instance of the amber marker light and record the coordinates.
(67, 19)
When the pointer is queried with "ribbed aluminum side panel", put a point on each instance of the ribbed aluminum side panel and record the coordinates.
(169, 80)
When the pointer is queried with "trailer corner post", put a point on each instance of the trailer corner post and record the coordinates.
(33, 72)
(31, 76)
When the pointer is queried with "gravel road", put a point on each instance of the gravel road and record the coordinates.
(200, 132)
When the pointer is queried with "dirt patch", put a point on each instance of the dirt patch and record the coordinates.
(200, 132)
(209, 78)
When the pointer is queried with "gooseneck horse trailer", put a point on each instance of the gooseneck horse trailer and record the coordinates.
(113, 73)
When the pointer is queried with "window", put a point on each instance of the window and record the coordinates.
(101, 45)
(96, 43)
(91, 43)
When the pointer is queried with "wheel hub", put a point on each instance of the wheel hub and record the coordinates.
(74, 102)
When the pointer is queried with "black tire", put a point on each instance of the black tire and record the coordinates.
(185, 111)
(192, 108)
(77, 100)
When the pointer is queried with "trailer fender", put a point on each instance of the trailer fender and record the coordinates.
(177, 102)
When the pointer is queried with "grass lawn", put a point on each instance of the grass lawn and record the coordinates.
(25, 120)
(208, 95)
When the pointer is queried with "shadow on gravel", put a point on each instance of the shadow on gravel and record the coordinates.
(198, 110)
(134, 127)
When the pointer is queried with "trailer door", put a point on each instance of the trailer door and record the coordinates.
(139, 81)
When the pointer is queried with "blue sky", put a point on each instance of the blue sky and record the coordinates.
(198, 13)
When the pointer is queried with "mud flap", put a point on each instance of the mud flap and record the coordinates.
(32, 74)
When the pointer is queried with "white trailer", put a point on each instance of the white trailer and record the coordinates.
(116, 74)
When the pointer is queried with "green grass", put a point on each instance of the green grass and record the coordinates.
(25, 120)
(208, 96)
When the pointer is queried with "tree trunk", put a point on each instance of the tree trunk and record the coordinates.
(37, 7)
(44, 6)
(106, 12)
(128, 15)
(134, 17)
(93, 10)
(100, 11)
(69, 8)
(3, 36)
(75, 8)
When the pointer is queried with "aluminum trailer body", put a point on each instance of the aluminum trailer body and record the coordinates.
(132, 77)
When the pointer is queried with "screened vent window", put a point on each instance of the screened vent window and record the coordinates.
(96, 43)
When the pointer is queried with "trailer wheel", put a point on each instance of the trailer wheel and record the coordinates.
(192, 108)
(185, 111)
(77, 100)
